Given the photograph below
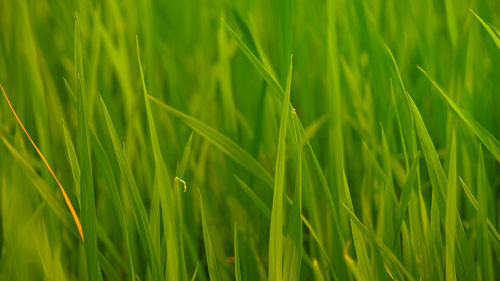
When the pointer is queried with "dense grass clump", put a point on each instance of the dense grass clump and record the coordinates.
(250, 140)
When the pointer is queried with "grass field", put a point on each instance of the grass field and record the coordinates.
(250, 140)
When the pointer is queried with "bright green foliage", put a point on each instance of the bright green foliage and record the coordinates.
(192, 147)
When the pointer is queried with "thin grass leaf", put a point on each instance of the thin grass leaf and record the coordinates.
(451, 211)
(488, 139)
(195, 272)
(359, 243)
(237, 266)
(264, 71)
(493, 35)
(255, 198)
(222, 142)
(483, 241)
(213, 268)
(406, 194)
(172, 223)
(140, 215)
(390, 259)
(293, 240)
(73, 159)
(88, 209)
(87, 203)
(275, 270)
(66, 198)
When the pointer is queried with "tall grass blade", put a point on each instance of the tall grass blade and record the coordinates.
(275, 269)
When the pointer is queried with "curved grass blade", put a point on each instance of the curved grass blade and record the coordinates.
(391, 259)
(406, 194)
(364, 264)
(222, 142)
(195, 272)
(66, 198)
(488, 140)
(264, 71)
(490, 31)
(140, 215)
(474, 203)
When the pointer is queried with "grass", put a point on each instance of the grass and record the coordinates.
(249, 140)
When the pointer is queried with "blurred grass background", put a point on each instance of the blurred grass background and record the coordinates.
(392, 179)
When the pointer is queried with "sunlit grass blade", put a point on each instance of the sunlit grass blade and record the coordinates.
(195, 272)
(489, 140)
(66, 198)
(493, 35)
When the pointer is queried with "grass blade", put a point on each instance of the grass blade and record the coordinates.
(237, 266)
(222, 142)
(172, 223)
(451, 211)
(66, 198)
(140, 215)
(213, 268)
(293, 240)
(489, 141)
(483, 241)
(275, 271)
(490, 31)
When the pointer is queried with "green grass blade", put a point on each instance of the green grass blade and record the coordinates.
(483, 240)
(213, 268)
(222, 142)
(264, 71)
(172, 224)
(493, 35)
(406, 193)
(88, 208)
(450, 19)
(390, 259)
(237, 266)
(275, 270)
(451, 211)
(489, 141)
(359, 242)
(73, 159)
(293, 240)
(140, 215)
